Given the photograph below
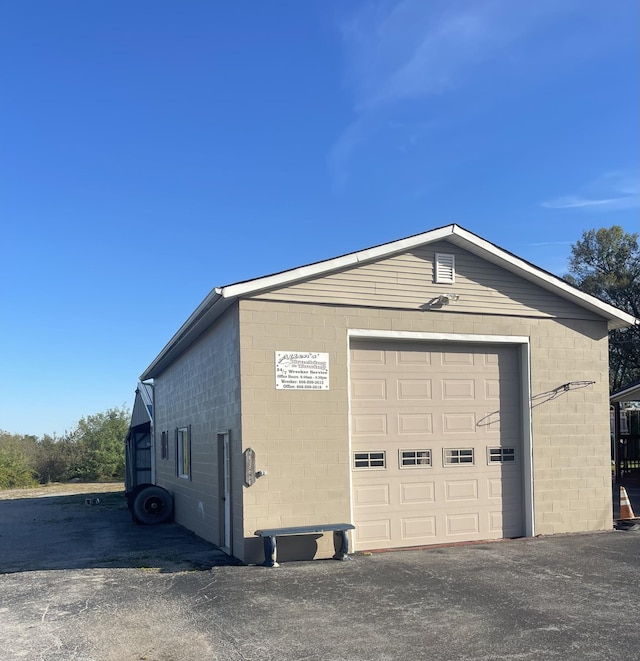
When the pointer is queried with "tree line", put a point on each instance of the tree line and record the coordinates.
(92, 451)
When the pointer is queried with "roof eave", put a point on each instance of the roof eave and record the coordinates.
(211, 308)
(219, 299)
(629, 394)
(615, 318)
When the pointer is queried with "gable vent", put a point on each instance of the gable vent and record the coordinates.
(445, 268)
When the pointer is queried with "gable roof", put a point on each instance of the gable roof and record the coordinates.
(220, 298)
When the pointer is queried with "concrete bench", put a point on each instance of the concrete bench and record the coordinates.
(340, 539)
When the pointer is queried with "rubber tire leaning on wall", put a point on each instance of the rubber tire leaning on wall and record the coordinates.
(153, 505)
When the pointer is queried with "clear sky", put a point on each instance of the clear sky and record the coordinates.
(151, 150)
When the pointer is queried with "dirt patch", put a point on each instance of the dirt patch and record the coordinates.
(62, 489)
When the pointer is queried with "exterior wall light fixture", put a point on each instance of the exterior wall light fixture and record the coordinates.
(445, 299)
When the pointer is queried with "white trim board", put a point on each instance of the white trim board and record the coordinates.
(438, 337)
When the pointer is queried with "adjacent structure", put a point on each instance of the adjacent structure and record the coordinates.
(625, 433)
(434, 389)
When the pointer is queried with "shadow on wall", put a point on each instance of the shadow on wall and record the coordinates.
(538, 400)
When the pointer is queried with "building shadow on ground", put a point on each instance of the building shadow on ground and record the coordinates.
(92, 530)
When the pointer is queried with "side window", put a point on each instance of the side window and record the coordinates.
(164, 445)
(183, 453)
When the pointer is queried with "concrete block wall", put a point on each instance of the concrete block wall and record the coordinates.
(202, 389)
(571, 440)
(301, 438)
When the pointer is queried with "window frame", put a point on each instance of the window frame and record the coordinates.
(164, 445)
(369, 459)
(507, 455)
(456, 453)
(423, 461)
(183, 452)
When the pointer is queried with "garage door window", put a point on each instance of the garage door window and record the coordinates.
(457, 456)
(501, 455)
(369, 460)
(415, 458)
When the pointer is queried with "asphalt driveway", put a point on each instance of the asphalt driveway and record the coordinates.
(82, 582)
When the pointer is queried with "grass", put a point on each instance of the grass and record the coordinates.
(64, 489)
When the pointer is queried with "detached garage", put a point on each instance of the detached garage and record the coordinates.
(431, 390)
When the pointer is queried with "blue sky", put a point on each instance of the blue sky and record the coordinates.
(150, 151)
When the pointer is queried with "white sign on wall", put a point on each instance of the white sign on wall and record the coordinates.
(302, 370)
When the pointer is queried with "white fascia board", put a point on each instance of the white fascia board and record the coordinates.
(630, 394)
(460, 237)
(345, 261)
(183, 332)
(364, 333)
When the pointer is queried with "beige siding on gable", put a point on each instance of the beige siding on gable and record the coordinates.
(406, 281)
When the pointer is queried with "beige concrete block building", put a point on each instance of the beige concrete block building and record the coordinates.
(431, 390)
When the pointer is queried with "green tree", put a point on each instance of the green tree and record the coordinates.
(100, 445)
(606, 264)
(16, 461)
(55, 459)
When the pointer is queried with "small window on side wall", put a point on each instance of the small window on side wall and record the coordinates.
(164, 445)
(183, 452)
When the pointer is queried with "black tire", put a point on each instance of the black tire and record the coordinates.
(153, 505)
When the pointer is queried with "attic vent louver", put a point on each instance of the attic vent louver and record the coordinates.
(445, 268)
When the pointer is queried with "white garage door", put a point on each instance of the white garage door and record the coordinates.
(436, 443)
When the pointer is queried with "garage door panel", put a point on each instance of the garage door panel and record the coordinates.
(368, 356)
(492, 389)
(443, 410)
(414, 389)
(406, 358)
(456, 423)
(456, 358)
(461, 490)
(458, 389)
(495, 521)
(417, 493)
(369, 389)
(369, 424)
(370, 534)
(420, 529)
(415, 423)
(494, 488)
(463, 524)
(374, 495)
